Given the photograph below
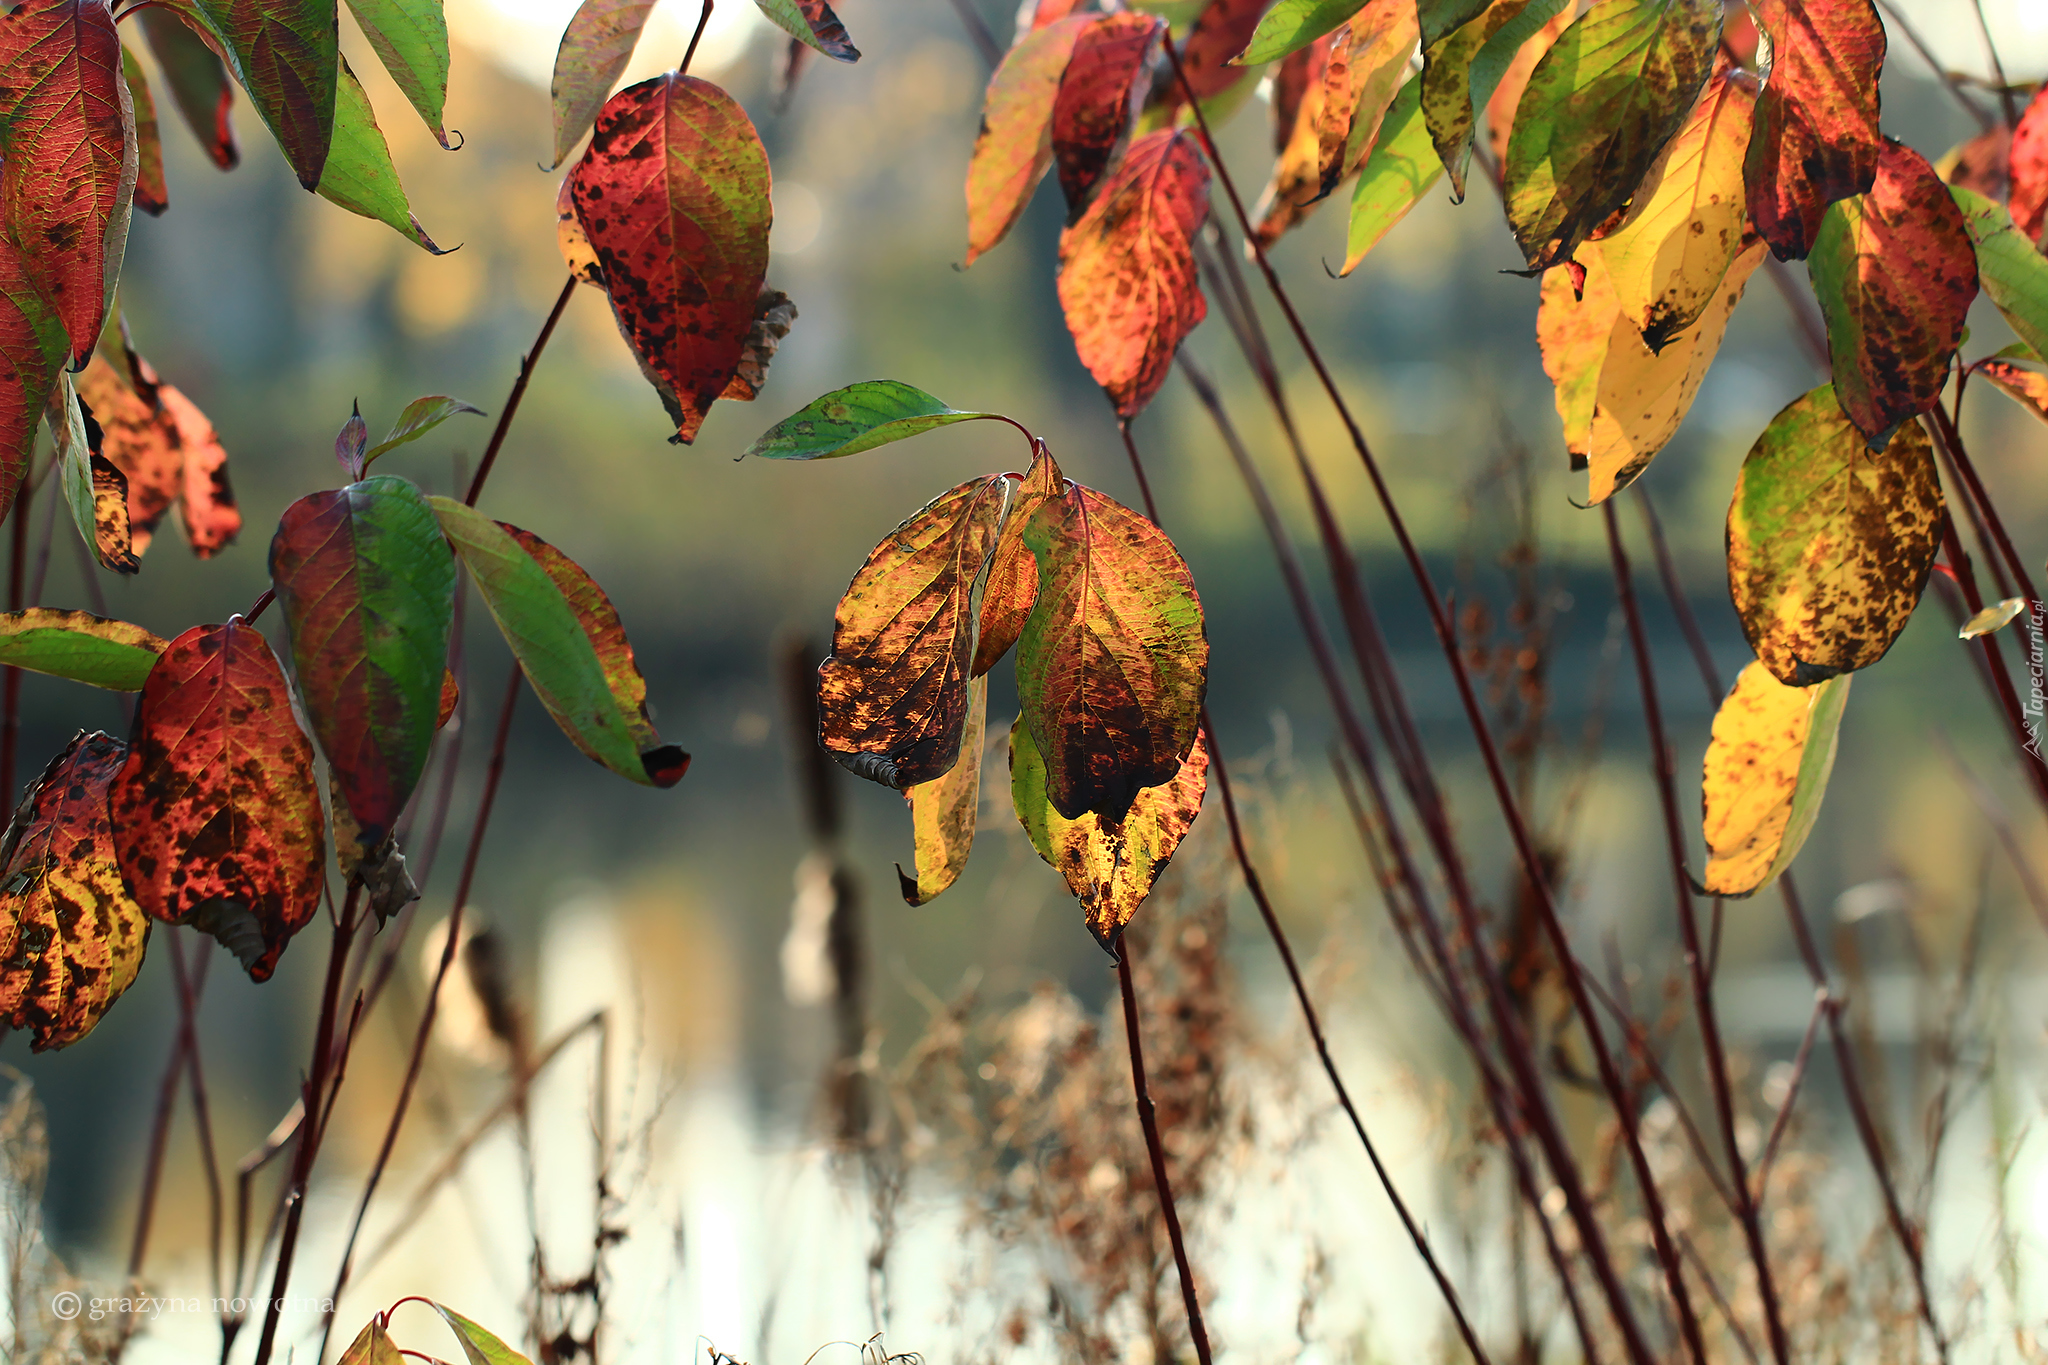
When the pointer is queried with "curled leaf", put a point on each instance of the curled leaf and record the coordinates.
(856, 418)
(152, 195)
(943, 811)
(350, 445)
(95, 490)
(1012, 571)
(199, 82)
(2028, 388)
(774, 315)
(357, 173)
(1992, 618)
(79, 646)
(421, 416)
(1766, 770)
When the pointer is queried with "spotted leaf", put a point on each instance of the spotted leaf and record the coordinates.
(1815, 139)
(79, 646)
(1092, 110)
(1766, 769)
(944, 811)
(595, 49)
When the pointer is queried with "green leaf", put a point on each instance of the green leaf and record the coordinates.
(2019, 350)
(411, 38)
(1402, 167)
(287, 55)
(359, 175)
(1291, 26)
(2012, 272)
(1441, 18)
(478, 1346)
(1448, 105)
(421, 416)
(79, 646)
(812, 22)
(856, 418)
(199, 83)
(1491, 64)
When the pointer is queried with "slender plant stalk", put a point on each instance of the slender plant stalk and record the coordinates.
(1949, 439)
(153, 1163)
(2007, 699)
(1896, 20)
(10, 688)
(526, 364)
(190, 982)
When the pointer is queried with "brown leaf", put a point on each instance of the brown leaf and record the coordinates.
(774, 314)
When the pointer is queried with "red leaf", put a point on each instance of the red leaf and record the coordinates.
(2030, 168)
(152, 194)
(1039, 14)
(166, 449)
(1224, 30)
(1127, 280)
(1816, 138)
(1014, 146)
(673, 194)
(1093, 108)
(216, 817)
(1983, 163)
(33, 348)
(199, 82)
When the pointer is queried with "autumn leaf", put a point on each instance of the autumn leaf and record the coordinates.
(1221, 31)
(411, 38)
(568, 640)
(1602, 103)
(287, 55)
(856, 418)
(95, 490)
(358, 174)
(1401, 169)
(1895, 273)
(1367, 63)
(595, 50)
(943, 811)
(479, 1347)
(1110, 866)
(67, 176)
(33, 349)
(1013, 571)
(1829, 541)
(673, 193)
(166, 449)
(1502, 66)
(1291, 25)
(577, 253)
(1766, 769)
(892, 698)
(812, 23)
(1014, 147)
(2028, 388)
(152, 195)
(71, 936)
(216, 816)
(199, 83)
(1815, 139)
(1982, 163)
(1128, 282)
(1292, 193)
(79, 646)
(1441, 18)
(1113, 660)
(367, 583)
(2028, 168)
(774, 315)
(1092, 109)
(1445, 86)
(372, 1346)
(2010, 269)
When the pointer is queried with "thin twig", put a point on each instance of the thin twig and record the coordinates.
(1783, 1120)
(10, 689)
(1948, 78)
(526, 364)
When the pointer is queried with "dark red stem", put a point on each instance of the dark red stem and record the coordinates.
(529, 360)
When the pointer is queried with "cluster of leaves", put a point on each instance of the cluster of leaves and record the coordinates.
(374, 1345)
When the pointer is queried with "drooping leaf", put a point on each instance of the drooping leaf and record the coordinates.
(199, 82)
(1829, 541)
(673, 193)
(1296, 74)
(1401, 169)
(892, 698)
(1368, 61)
(568, 641)
(2012, 272)
(1815, 139)
(2028, 388)
(577, 253)
(1014, 147)
(1295, 187)
(1766, 770)
(812, 23)
(216, 814)
(95, 490)
(2028, 168)
(1690, 222)
(287, 55)
(774, 315)
(79, 646)
(596, 48)
(943, 811)
(411, 38)
(1292, 25)
(1013, 571)
(1600, 106)
(367, 583)
(358, 175)
(1441, 18)
(1113, 660)
(1128, 282)
(1110, 866)
(1895, 274)
(1221, 31)
(856, 418)
(1991, 618)
(67, 156)
(71, 937)
(165, 449)
(479, 1347)
(1621, 402)
(372, 1346)
(1445, 86)
(1092, 110)
(33, 349)
(421, 416)
(152, 195)
(1033, 15)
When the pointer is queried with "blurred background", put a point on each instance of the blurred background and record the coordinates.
(274, 310)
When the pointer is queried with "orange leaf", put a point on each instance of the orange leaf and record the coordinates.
(1368, 60)
(1012, 573)
(1014, 147)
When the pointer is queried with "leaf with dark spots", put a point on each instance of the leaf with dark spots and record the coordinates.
(1128, 282)
(152, 195)
(1982, 164)
(568, 640)
(577, 253)
(1014, 147)
(596, 48)
(892, 698)
(1294, 190)
(856, 418)
(1113, 661)
(945, 810)
(367, 583)
(812, 23)
(287, 55)
(420, 416)
(1367, 64)
(165, 448)
(1816, 138)
(71, 936)
(1615, 87)
(96, 491)
(774, 315)
(1829, 541)
(79, 646)
(1439, 19)
(216, 815)
(33, 349)
(1222, 30)
(1110, 866)
(673, 195)
(1895, 273)
(67, 176)
(2028, 388)
(1013, 572)
(1092, 110)
(1445, 88)
(1765, 772)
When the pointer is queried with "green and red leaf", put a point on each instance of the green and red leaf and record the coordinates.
(287, 55)
(95, 490)
(33, 351)
(1816, 139)
(411, 38)
(152, 195)
(1014, 147)
(216, 815)
(199, 82)
(596, 47)
(812, 23)
(1092, 110)
(79, 646)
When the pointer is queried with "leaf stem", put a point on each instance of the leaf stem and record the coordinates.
(528, 361)
(697, 36)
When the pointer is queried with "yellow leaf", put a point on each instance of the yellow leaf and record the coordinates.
(1766, 769)
(1991, 618)
(943, 811)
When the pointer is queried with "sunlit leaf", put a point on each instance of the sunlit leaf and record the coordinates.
(79, 646)
(421, 416)
(1600, 106)
(479, 1347)
(71, 937)
(577, 253)
(568, 641)
(1113, 661)
(1368, 60)
(1092, 110)
(1441, 18)
(1445, 86)
(944, 810)
(2028, 168)
(673, 193)
(892, 698)
(596, 48)
(2012, 272)
(1296, 185)
(1110, 866)
(812, 23)
(367, 583)
(1013, 571)
(1292, 25)
(1128, 282)
(1895, 274)
(1816, 139)
(1401, 169)
(2028, 388)
(287, 55)
(1982, 163)
(94, 489)
(199, 82)
(411, 38)
(358, 174)
(372, 1346)
(1505, 61)
(166, 450)
(33, 349)
(152, 195)
(1829, 541)
(1014, 147)
(856, 418)
(1766, 770)
(1221, 31)
(1992, 618)
(216, 816)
